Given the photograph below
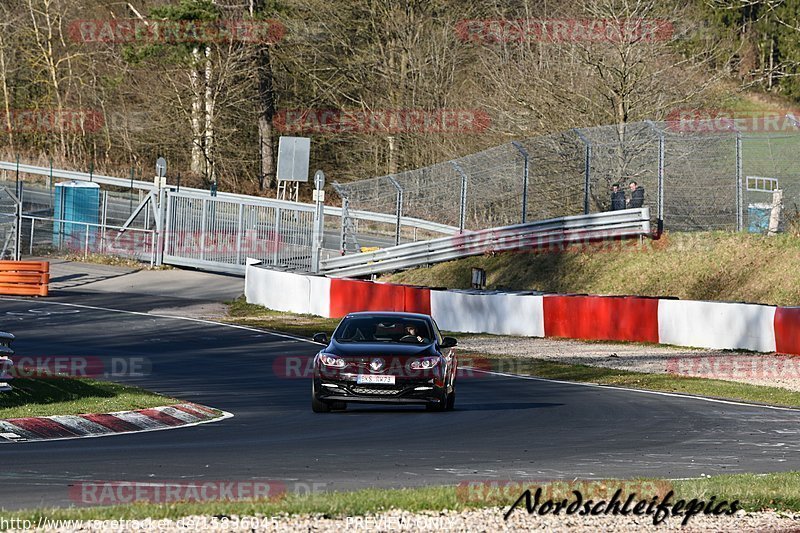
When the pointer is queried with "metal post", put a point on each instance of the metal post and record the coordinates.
(275, 234)
(30, 245)
(203, 230)
(159, 212)
(660, 207)
(524, 153)
(739, 192)
(587, 170)
(319, 220)
(130, 192)
(462, 219)
(239, 234)
(660, 134)
(105, 220)
(398, 209)
(86, 242)
(167, 228)
(18, 247)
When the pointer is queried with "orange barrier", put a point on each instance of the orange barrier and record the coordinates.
(24, 278)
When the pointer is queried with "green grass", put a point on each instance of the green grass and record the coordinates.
(698, 266)
(754, 492)
(245, 314)
(69, 396)
(712, 388)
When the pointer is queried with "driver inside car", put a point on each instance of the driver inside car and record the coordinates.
(412, 335)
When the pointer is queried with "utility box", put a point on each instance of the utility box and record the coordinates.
(758, 217)
(76, 203)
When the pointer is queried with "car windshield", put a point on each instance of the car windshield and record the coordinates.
(383, 329)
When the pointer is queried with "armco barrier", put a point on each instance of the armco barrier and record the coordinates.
(720, 325)
(612, 318)
(24, 278)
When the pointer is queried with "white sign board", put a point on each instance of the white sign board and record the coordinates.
(293, 154)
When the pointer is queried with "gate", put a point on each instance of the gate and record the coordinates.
(9, 224)
(221, 233)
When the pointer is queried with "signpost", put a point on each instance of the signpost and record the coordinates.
(293, 156)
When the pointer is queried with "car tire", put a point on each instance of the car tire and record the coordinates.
(439, 406)
(450, 404)
(317, 405)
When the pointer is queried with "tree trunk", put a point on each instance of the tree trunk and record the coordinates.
(211, 173)
(6, 96)
(266, 98)
(197, 107)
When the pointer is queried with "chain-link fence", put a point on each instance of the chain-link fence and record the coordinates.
(706, 175)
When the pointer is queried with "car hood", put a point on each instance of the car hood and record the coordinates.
(371, 349)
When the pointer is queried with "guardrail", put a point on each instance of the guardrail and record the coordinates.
(558, 231)
(5, 360)
(24, 278)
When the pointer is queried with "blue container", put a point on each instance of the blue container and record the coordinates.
(75, 201)
(758, 217)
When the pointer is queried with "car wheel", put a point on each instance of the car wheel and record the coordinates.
(451, 400)
(317, 405)
(439, 406)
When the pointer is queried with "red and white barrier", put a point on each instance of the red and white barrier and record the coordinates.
(720, 325)
(501, 314)
(717, 325)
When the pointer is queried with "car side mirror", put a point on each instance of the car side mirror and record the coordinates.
(321, 338)
(449, 342)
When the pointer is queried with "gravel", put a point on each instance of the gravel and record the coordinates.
(744, 367)
(490, 519)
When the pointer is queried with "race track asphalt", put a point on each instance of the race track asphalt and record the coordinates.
(504, 428)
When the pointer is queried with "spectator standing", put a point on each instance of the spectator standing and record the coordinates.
(617, 198)
(637, 196)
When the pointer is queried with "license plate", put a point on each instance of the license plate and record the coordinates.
(375, 378)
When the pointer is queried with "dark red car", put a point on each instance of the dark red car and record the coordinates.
(385, 357)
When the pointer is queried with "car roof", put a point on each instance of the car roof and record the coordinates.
(397, 314)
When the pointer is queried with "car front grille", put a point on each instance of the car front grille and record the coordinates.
(366, 390)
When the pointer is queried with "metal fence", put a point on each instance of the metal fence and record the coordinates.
(701, 177)
(159, 223)
(9, 223)
(203, 230)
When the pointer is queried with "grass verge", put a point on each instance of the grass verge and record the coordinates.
(712, 388)
(717, 266)
(70, 396)
(754, 492)
(245, 314)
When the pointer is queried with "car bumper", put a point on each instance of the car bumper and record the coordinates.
(404, 391)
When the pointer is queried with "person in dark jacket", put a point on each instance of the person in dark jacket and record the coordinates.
(637, 196)
(617, 198)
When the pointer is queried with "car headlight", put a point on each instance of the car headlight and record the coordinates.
(332, 360)
(424, 363)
